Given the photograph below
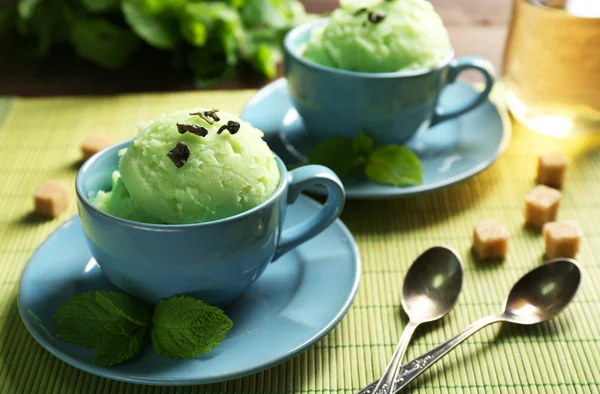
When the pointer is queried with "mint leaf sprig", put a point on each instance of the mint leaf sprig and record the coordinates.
(115, 325)
(184, 327)
(389, 164)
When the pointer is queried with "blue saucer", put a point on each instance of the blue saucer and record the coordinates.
(450, 152)
(296, 301)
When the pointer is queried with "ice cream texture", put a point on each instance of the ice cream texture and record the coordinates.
(226, 172)
(380, 36)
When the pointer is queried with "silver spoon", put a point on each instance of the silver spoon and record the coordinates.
(538, 296)
(431, 288)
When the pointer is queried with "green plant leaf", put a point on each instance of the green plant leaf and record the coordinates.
(209, 66)
(215, 27)
(184, 327)
(265, 58)
(100, 5)
(157, 29)
(263, 50)
(9, 14)
(114, 324)
(237, 3)
(394, 165)
(103, 43)
(81, 320)
(128, 307)
(49, 22)
(337, 154)
(363, 145)
(265, 35)
(201, 21)
(117, 348)
(27, 7)
(271, 13)
(161, 7)
(84, 318)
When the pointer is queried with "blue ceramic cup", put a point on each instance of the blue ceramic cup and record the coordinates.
(391, 107)
(214, 261)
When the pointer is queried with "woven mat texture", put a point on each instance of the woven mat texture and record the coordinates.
(40, 138)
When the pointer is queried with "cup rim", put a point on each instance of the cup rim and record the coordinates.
(292, 34)
(155, 226)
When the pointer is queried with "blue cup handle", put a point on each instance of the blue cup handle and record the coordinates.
(299, 180)
(457, 66)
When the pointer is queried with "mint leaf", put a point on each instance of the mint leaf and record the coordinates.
(82, 320)
(113, 324)
(117, 329)
(265, 58)
(184, 327)
(394, 165)
(103, 43)
(8, 15)
(216, 29)
(263, 49)
(201, 21)
(116, 348)
(337, 154)
(209, 66)
(100, 5)
(158, 30)
(363, 145)
(271, 13)
(49, 22)
(156, 7)
(27, 7)
(128, 307)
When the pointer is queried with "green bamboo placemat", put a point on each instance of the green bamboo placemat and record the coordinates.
(39, 139)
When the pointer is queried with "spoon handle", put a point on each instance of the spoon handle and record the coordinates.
(386, 382)
(412, 369)
(420, 364)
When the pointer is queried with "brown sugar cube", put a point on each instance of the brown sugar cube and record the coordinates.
(541, 205)
(52, 198)
(562, 239)
(490, 240)
(94, 144)
(551, 169)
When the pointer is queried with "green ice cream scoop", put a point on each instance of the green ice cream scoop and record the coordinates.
(118, 202)
(192, 166)
(380, 36)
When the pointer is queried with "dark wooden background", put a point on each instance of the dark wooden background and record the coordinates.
(475, 27)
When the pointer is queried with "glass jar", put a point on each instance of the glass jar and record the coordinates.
(552, 66)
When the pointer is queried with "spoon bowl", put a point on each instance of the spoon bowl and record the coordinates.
(432, 284)
(543, 292)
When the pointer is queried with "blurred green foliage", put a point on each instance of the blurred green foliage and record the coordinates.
(215, 39)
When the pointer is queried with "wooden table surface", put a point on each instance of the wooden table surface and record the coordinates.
(475, 27)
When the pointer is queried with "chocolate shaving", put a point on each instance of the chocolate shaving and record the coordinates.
(360, 11)
(376, 17)
(231, 126)
(208, 116)
(180, 154)
(213, 114)
(192, 128)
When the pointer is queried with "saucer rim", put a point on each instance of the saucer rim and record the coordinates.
(109, 373)
(358, 192)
